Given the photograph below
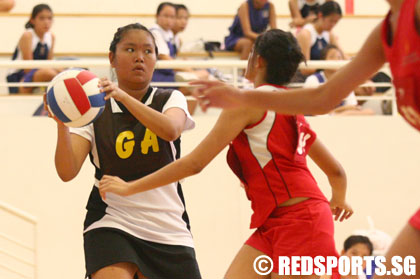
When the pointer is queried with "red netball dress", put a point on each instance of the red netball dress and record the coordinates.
(269, 158)
(403, 54)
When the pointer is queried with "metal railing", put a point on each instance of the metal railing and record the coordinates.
(233, 65)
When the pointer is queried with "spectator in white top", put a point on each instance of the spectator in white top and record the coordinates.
(36, 43)
(164, 37)
(166, 21)
(181, 22)
(315, 36)
(349, 106)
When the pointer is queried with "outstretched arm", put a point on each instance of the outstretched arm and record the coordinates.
(228, 126)
(308, 101)
(70, 153)
(336, 176)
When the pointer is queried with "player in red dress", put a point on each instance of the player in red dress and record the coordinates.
(396, 40)
(268, 152)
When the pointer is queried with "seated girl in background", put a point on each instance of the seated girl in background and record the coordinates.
(36, 43)
(252, 19)
(181, 22)
(164, 37)
(166, 20)
(349, 106)
(316, 35)
(355, 246)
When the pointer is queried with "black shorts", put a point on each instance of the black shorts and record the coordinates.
(107, 246)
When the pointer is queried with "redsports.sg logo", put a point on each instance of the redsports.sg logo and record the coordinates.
(302, 265)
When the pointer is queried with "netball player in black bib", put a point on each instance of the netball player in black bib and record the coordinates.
(145, 235)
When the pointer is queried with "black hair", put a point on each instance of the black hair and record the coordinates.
(329, 8)
(181, 7)
(122, 30)
(327, 48)
(356, 239)
(162, 5)
(35, 11)
(281, 52)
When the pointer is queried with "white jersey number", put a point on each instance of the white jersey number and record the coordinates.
(303, 138)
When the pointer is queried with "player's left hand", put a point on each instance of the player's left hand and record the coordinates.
(111, 89)
(113, 184)
(340, 210)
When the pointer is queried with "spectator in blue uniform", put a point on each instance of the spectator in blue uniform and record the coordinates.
(314, 37)
(36, 43)
(304, 11)
(252, 19)
(164, 37)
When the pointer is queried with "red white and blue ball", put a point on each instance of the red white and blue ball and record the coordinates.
(74, 98)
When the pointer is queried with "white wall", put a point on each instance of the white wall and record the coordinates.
(381, 156)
